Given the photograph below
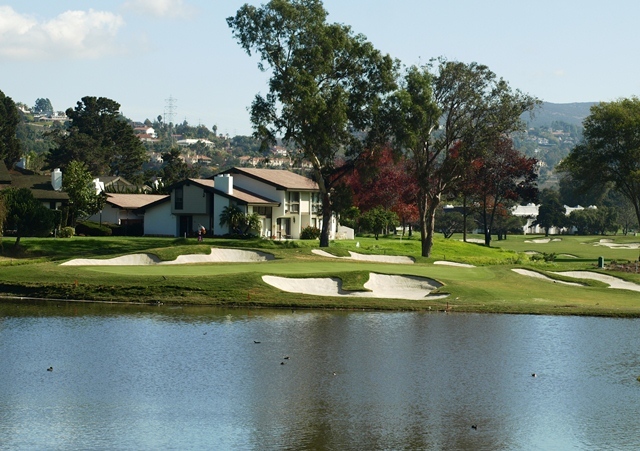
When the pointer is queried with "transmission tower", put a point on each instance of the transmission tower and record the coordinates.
(169, 114)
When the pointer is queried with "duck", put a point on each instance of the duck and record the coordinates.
(50, 368)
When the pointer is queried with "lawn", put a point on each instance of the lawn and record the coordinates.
(491, 286)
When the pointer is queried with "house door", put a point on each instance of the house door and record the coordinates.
(186, 225)
(284, 228)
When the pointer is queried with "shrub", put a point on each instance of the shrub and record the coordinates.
(66, 232)
(89, 228)
(310, 233)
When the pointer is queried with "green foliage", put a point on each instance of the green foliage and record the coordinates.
(90, 228)
(379, 220)
(83, 200)
(326, 82)
(66, 232)
(10, 150)
(26, 216)
(310, 233)
(99, 137)
(610, 151)
(43, 106)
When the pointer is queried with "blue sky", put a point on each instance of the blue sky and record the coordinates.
(142, 52)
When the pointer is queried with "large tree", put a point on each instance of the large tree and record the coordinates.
(325, 89)
(610, 150)
(444, 119)
(43, 106)
(9, 120)
(501, 176)
(100, 137)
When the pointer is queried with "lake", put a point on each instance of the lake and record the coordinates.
(142, 378)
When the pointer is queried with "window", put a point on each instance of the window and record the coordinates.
(179, 198)
(263, 211)
(293, 201)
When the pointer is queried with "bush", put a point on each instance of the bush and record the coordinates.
(66, 232)
(310, 233)
(89, 228)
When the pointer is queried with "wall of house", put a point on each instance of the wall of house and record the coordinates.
(193, 201)
(219, 203)
(158, 221)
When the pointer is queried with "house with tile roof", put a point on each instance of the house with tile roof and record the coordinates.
(125, 209)
(285, 202)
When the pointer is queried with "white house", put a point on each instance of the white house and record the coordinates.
(285, 202)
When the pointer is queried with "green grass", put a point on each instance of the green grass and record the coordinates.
(34, 271)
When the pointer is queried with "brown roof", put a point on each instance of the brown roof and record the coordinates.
(40, 185)
(279, 178)
(238, 193)
(133, 201)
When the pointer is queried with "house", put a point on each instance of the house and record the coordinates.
(285, 202)
(46, 188)
(125, 209)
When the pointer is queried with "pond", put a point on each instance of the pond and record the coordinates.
(197, 378)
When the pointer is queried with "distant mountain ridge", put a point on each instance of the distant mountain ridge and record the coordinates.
(571, 113)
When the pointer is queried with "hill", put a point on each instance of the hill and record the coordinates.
(570, 113)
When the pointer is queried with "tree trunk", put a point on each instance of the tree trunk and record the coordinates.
(427, 223)
(464, 218)
(326, 220)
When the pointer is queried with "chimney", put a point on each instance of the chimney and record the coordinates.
(224, 183)
(56, 179)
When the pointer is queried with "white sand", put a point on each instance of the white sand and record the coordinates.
(613, 282)
(526, 272)
(216, 256)
(609, 244)
(448, 263)
(369, 258)
(380, 286)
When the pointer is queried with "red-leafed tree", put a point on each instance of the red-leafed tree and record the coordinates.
(385, 182)
(501, 176)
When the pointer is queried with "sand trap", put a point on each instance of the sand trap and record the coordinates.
(611, 245)
(380, 286)
(369, 258)
(538, 241)
(448, 263)
(216, 256)
(537, 275)
(474, 240)
(613, 282)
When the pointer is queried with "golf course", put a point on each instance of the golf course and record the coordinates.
(558, 275)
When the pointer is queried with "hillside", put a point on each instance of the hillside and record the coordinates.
(570, 113)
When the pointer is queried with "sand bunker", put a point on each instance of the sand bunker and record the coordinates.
(613, 282)
(369, 258)
(216, 256)
(380, 286)
(448, 263)
(526, 272)
(612, 245)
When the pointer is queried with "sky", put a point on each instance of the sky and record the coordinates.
(151, 55)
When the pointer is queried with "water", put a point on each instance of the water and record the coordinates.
(161, 378)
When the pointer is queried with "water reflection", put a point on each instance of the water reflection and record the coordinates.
(157, 377)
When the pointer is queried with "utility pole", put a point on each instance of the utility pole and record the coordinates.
(169, 115)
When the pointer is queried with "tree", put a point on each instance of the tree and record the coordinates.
(101, 138)
(551, 212)
(25, 214)
(325, 89)
(378, 220)
(500, 175)
(43, 106)
(175, 169)
(443, 120)
(83, 199)
(448, 223)
(233, 217)
(610, 150)
(10, 150)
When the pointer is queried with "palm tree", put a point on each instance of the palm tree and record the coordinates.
(233, 217)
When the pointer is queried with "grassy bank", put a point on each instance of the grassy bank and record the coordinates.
(34, 271)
